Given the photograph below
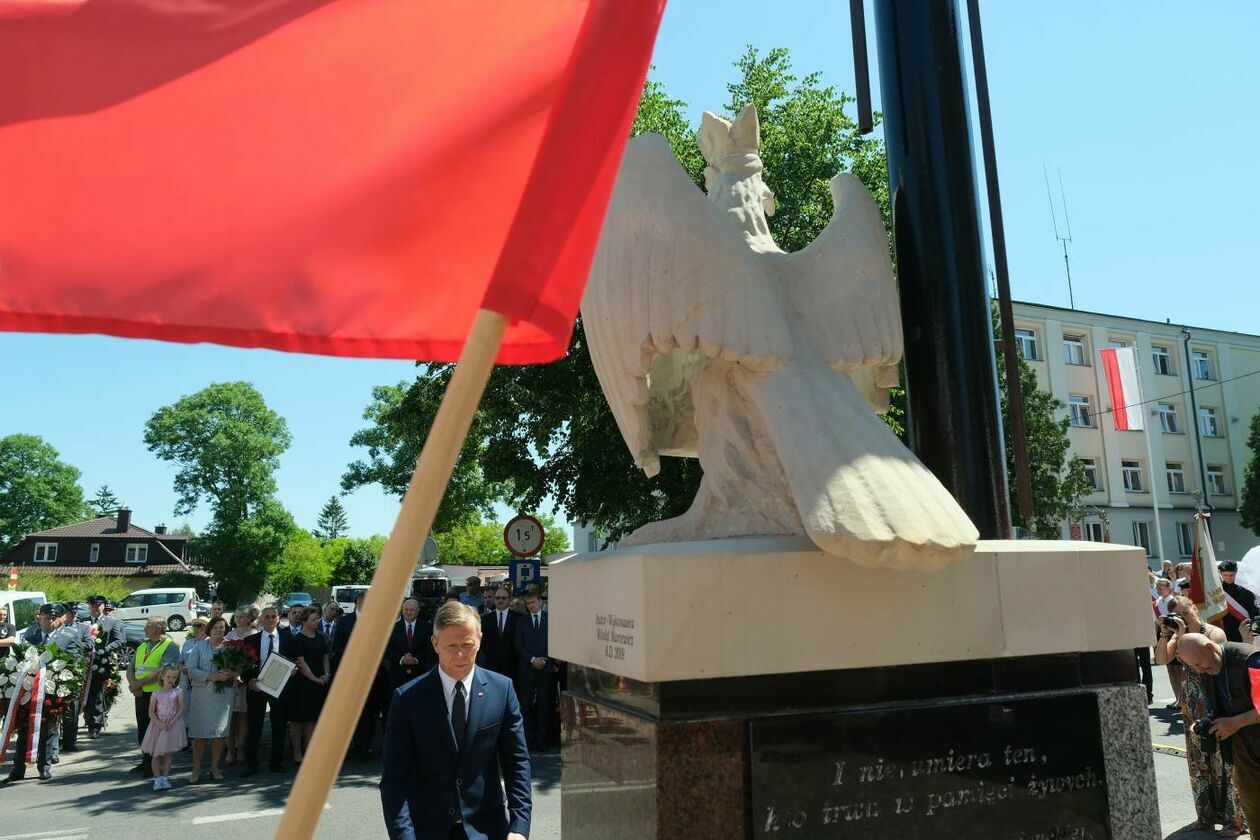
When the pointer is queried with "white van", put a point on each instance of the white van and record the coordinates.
(177, 606)
(22, 607)
(345, 595)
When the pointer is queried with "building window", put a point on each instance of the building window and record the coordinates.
(1201, 365)
(1142, 536)
(1163, 360)
(1093, 531)
(1132, 472)
(137, 553)
(1026, 344)
(1185, 539)
(1216, 480)
(1118, 343)
(1168, 418)
(45, 552)
(1078, 410)
(1176, 478)
(1091, 472)
(94, 553)
(1074, 349)
(1207, 422)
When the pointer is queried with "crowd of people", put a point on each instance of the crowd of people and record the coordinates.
(1215, 675)
(204, 695)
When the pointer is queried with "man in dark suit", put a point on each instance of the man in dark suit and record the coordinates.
(536, 673)
(111, 630)
(498, 636)
(452, 735)
(373, 704)
(409, 652)
(270, 639)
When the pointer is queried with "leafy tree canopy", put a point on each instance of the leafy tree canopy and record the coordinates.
(357, 560)
(481, 543)
(238, 553)
(1249, 495)
(37, 489)
(303, 564)
(226, 443)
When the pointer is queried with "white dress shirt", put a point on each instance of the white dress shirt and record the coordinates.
(448, 689)
(500, 618)
(268, 644)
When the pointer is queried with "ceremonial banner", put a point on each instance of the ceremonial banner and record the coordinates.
(342, 177)
(1205, 580)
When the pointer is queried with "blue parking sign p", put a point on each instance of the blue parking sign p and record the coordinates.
(524, 572)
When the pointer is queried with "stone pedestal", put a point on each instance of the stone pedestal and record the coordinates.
(759, 688)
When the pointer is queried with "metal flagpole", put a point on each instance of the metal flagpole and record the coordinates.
(1150, 463)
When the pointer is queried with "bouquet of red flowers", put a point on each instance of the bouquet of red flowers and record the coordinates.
(234, 656)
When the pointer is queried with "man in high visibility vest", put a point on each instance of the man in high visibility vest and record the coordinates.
(154, 652)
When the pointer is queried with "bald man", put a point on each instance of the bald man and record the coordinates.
(1233, 671)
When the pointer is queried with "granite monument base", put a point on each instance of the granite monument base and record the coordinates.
(760, 689)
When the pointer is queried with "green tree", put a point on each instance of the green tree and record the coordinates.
(1249, 493)
(545, 431)
(303, 564)
(473, 544)
(555, 538)
(238, 553)
(357, 560)
(333, 522)
(37, 489)
(400, 416)
(104, 503)
(227, 445)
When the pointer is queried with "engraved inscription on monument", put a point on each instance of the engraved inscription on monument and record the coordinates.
(615, 633)
(1027, 769)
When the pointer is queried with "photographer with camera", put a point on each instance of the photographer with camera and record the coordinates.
(1211, 779)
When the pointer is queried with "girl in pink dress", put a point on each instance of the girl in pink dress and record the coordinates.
(165, 735)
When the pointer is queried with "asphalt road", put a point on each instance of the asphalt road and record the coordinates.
(93, 796)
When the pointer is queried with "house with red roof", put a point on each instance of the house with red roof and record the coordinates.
(107, 545)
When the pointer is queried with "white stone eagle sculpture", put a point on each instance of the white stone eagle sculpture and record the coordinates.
(710, 341)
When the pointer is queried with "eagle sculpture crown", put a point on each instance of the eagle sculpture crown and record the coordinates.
(709, 341)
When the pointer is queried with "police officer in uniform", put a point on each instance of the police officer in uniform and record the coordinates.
(46, 623)
(111, 630)
(74, 637)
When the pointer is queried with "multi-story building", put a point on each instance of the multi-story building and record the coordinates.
(1223, 368)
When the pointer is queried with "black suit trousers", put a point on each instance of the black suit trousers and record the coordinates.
(538, 696)
(94, 708)
(258, 703)
(142, 715)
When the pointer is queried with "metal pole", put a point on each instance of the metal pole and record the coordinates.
(1014, 387)
(1150, 460)
(1194, 415)
(952, 398)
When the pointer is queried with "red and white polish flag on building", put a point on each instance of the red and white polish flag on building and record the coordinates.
(1124, 388)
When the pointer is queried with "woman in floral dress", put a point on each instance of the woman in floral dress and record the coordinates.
(1211, 778)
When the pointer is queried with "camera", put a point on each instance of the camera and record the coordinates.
(1254, 624)
(1207, 741)
(1170, 622)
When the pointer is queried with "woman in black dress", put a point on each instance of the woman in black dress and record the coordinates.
(311, 681)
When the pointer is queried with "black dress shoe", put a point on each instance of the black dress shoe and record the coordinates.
(94, 734)
(45, 775)
(16, 776)
(140, 768)
(70, 749)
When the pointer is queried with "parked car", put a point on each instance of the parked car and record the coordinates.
(429, 587)
(176, 605)
(203, 609)
(295, 599)
(22, 607)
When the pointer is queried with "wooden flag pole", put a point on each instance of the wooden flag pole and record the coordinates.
(362, 658)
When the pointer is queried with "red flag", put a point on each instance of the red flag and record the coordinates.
(348, 177)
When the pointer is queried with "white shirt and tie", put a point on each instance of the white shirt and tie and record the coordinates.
(267, 645)
(501, 618)
(448, 689)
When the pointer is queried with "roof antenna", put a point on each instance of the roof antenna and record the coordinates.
(1066, 237)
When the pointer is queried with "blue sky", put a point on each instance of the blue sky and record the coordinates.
(1150, 112)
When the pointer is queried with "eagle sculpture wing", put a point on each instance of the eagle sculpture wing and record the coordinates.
(853, 315)
(672, 286)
